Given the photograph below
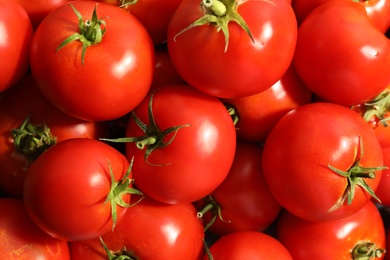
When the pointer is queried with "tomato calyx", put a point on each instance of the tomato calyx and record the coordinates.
(367, 251)
(220, 13)
(91, 32)
(126, 3)
(118, 190)
(376, 109)
(212, 206)
(355, 176)
(153, 137)
(122, 255)
(32, 140)
(233, 113)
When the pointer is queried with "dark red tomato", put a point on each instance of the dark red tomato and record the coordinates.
(227, 52)
(153, 14)
(322, 161)
(149, 230)
(384, 185)
(257, 114)
(340, 239)
(165, 73)
(21, 239)
(377, 10)
(51, 125)
(77, 189)
(247, 245)
(244, 199)
(322, 62)
(191, 140)
(37, 10)
(114, 75)
(16, 33)
(388, 244)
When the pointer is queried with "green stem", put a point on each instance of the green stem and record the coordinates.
(215, 7)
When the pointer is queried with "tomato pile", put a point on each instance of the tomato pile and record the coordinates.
(194, 129)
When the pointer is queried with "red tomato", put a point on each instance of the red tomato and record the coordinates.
(113, 76)
(16, 33)
(149, 230)
(15, 105)
(247, 245)
(384, 185)
(245, 201)
(37, 10)
(165, 73)
(153, 14)
(340, 239)
(340, 55)
(77, 189)
(382, 132)
(320, 160)
(190, 139)
(219, 56)
(257, 114)
(21, 239)
(377, 10)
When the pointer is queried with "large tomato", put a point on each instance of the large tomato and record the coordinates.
(377, 10)
(242, 202)
(340, 55)
(257, 114)
(16, 33)
(21, 239)
(225, 48)
(78, 189)
(322, 161)
(183, 144)
(359, 236)
(104, 71)
(149, 230)
(20, 144)
(247, 245)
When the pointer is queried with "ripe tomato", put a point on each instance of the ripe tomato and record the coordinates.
(184, 144)
(21, 239)
(206, 42)
(245, 201)
(51, 125)
(382, 190)
(78, 189)
(37, 10)
(247, 245)
(322, 161)
(113, 76)
(340, 239)
(16, 33)
(257, 114)
(149, 230)
(377, 10)
(340, 55)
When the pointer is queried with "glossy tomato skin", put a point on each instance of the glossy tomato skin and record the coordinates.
(377, 10)
(116, 74)
(384, 185)
(274, 29)
(245, 201)
(37, 10)
(201, 153)
(66, 188)
(257, 114)
(150, 230)
(299, 150)
(248, 245)
(331, 239)
(322, 62)
(15, 37)
(16, 104)
(21, 239)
